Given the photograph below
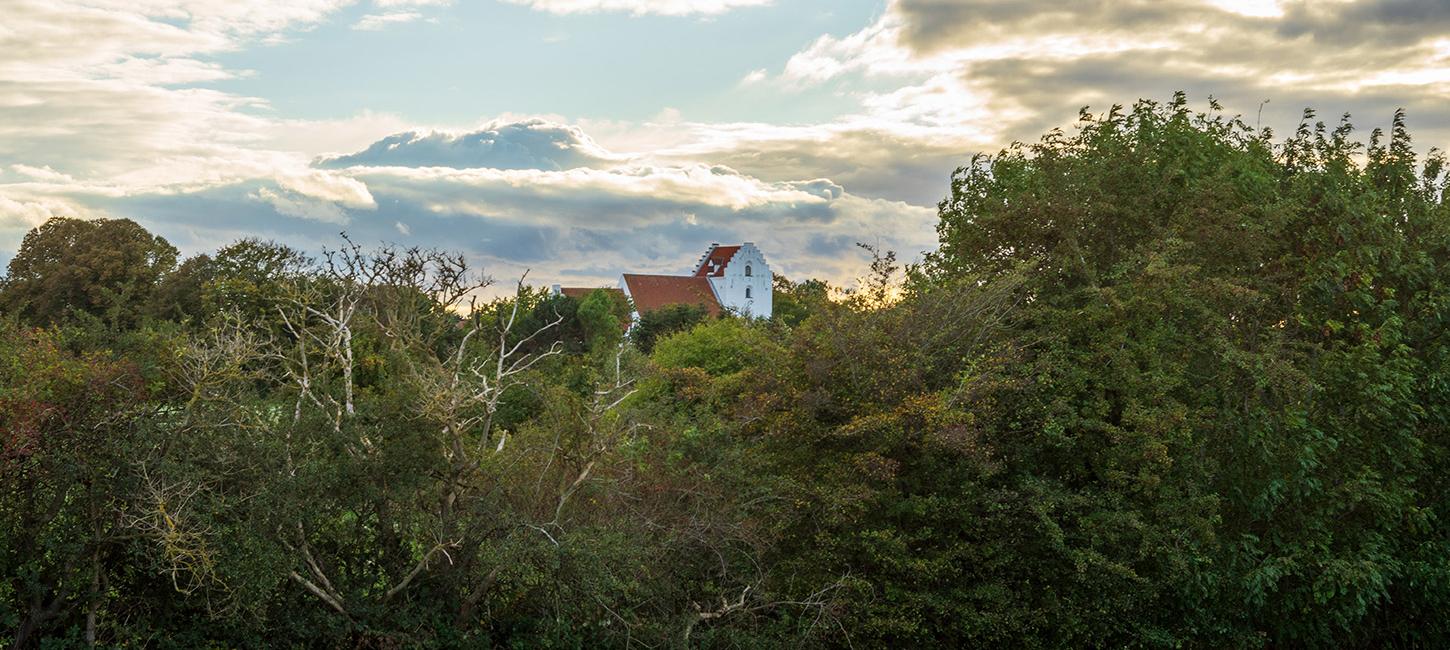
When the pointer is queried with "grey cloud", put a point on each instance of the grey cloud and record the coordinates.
(1388, 22)
(829, 245)
(533, 144)
(932, 25)
(872, 163)
(1054, 90)
(585, 233)
(1308, 32)
(620, 198)
(1366, 58)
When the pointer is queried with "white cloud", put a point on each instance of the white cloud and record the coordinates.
(375, 22)
(590, 195)
(320, 138)
(97, 97)
(533, 143)
(396, 12)
(874, 49)
(641, 7)
(29, 213)
(329, 187)
(302, 207)
(44, 174)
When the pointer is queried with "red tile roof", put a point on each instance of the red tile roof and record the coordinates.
(714, 263)
(651, 292)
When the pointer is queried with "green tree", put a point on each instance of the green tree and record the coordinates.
(104, 268)
(599, 316)
(251, 276)
(794, 301)
(1226, 361)
(659, 323)
(69, 430)
(719, 347)
(181, 294)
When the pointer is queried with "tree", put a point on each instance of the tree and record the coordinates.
(251, 276)
(1230, 359)
(794, 301)
(181, 294)
(105, 268)
(656, 324)
(69, 426)
(720, 347)
(602, 317)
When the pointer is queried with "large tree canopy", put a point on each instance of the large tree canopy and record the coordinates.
(104, 268)
(1234, 352)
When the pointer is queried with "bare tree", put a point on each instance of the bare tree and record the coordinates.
(461, 355)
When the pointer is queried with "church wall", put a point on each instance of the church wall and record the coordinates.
(730, 289)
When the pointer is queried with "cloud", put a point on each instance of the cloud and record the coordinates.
(99, 100)
(637, 216)
(568, 223)
(329, 187)
(541, 193)
(641, 7)
(988, 72)
(870, 158)
(26, 214)
(375, 22)
(109, 107)
(1382, 22)
(316, 195)
(570, 226)
(301, 206)
(71, 71)
(626, 198)
(531, 144)
(44, 174)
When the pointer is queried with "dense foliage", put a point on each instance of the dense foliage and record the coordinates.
(1167, 382)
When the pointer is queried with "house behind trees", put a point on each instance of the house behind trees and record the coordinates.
(727, 278)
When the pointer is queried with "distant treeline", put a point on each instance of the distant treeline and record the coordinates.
(1169, 381)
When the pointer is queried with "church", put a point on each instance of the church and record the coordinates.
(733, 279)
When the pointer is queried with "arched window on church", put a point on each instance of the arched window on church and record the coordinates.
(747, 290)
(747, 270)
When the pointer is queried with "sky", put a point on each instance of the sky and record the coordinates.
(578, 139)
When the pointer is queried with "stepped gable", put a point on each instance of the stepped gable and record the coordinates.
(714, 262)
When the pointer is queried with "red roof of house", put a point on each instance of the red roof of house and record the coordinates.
(651, 292)
(714, 263)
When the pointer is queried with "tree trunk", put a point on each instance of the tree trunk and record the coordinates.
(95, 599)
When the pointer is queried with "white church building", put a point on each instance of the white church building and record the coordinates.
(734, 279)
